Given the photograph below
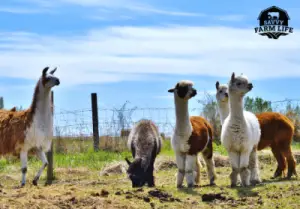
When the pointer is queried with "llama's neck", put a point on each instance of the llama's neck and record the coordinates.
(223, 110)
(41, 107)
(236, 107)
(183, 124)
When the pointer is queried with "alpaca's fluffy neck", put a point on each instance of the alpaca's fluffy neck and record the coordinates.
(183, 124)
(223, 110)
(236, 106)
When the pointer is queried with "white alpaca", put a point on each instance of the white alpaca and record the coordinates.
(222, 101)
(191, 136)
(241, 134)
(20, 131)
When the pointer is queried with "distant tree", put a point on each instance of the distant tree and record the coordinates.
(124, 116)
(1, 103)
(19, 108)
(210, 112)
(257, 105)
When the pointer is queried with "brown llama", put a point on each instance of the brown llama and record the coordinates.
(276, 132)
(191, 136)
(22, 131)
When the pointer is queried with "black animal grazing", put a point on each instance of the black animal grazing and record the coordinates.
(144, 141)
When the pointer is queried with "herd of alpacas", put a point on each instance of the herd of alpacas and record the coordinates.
(242, 134)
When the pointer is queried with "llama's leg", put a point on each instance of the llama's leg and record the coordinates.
(44, 160)
(281, 163)
(254, 167)
(244, 170)
(189, 169)
(180, 161)
(291, 162)
(23, 157)
(234, 161)
(210, 163)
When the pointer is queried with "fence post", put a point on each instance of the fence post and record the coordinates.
(50, 175)
(95, 121)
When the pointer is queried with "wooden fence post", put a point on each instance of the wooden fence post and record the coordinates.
(50, 176)
(95, 121)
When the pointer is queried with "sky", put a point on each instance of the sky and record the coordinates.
(135, 50)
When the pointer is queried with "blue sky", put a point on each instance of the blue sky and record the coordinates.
(136, 50)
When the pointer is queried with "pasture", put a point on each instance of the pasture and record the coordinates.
(78, 183)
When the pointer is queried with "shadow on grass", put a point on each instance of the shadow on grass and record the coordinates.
(190, 191)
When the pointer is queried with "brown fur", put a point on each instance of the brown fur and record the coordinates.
(202, 130)
(13, 125)
(277, 132)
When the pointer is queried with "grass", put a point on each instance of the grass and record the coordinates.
(78, 184)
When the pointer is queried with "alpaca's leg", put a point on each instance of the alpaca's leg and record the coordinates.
(254, 167)
(197, 171)
(44, 160)
(180, 161)
(150, 178)
(234, 161)
(210, 166)
(281, 163)
(23, 157)
(189, 169)
(291, 162)
(244, 170)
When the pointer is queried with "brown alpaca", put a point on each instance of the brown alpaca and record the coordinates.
(277, 132)
(191, 136)
(22, 131)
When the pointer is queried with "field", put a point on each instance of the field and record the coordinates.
(78, 184)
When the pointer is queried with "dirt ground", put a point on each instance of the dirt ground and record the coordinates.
(82, 188)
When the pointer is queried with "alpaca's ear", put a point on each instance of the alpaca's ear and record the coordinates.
(128, 162)
(217, 85)
(232, 76)
(53, 71)
(171, 90)
(45, 71)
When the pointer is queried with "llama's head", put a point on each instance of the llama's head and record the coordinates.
(222, 92)
(239, 85)
(184, 90)
(136, 172)
(48, 79)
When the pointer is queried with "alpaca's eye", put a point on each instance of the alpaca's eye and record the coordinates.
(238, 84)
(220, 92)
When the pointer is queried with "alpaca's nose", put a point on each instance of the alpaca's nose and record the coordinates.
(250, 86)
(57, 82)
(194, 92)
(226, 94)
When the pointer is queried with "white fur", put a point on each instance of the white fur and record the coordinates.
(240, 136)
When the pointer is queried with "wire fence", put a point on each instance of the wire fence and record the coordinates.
(112, 121)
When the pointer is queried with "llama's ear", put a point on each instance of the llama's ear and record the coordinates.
(217, 85)
(53, 71)
(171, 90)
(128, 162)
(232, 76)
(45, 71)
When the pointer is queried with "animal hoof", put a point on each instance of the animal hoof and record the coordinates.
(190, 185)
(255, 182)
(34, 182)
(233, 185)
(179, 186)
(22, 185)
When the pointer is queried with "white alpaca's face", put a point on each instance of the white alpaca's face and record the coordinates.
(222, 92)
(49, 80)
(184, 90)
(240, 85)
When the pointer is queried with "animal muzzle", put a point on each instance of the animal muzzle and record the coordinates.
(226, 95)
(194, 93)
(57, 82)
(250, 86)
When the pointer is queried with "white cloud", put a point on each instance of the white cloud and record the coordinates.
(114, 54)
